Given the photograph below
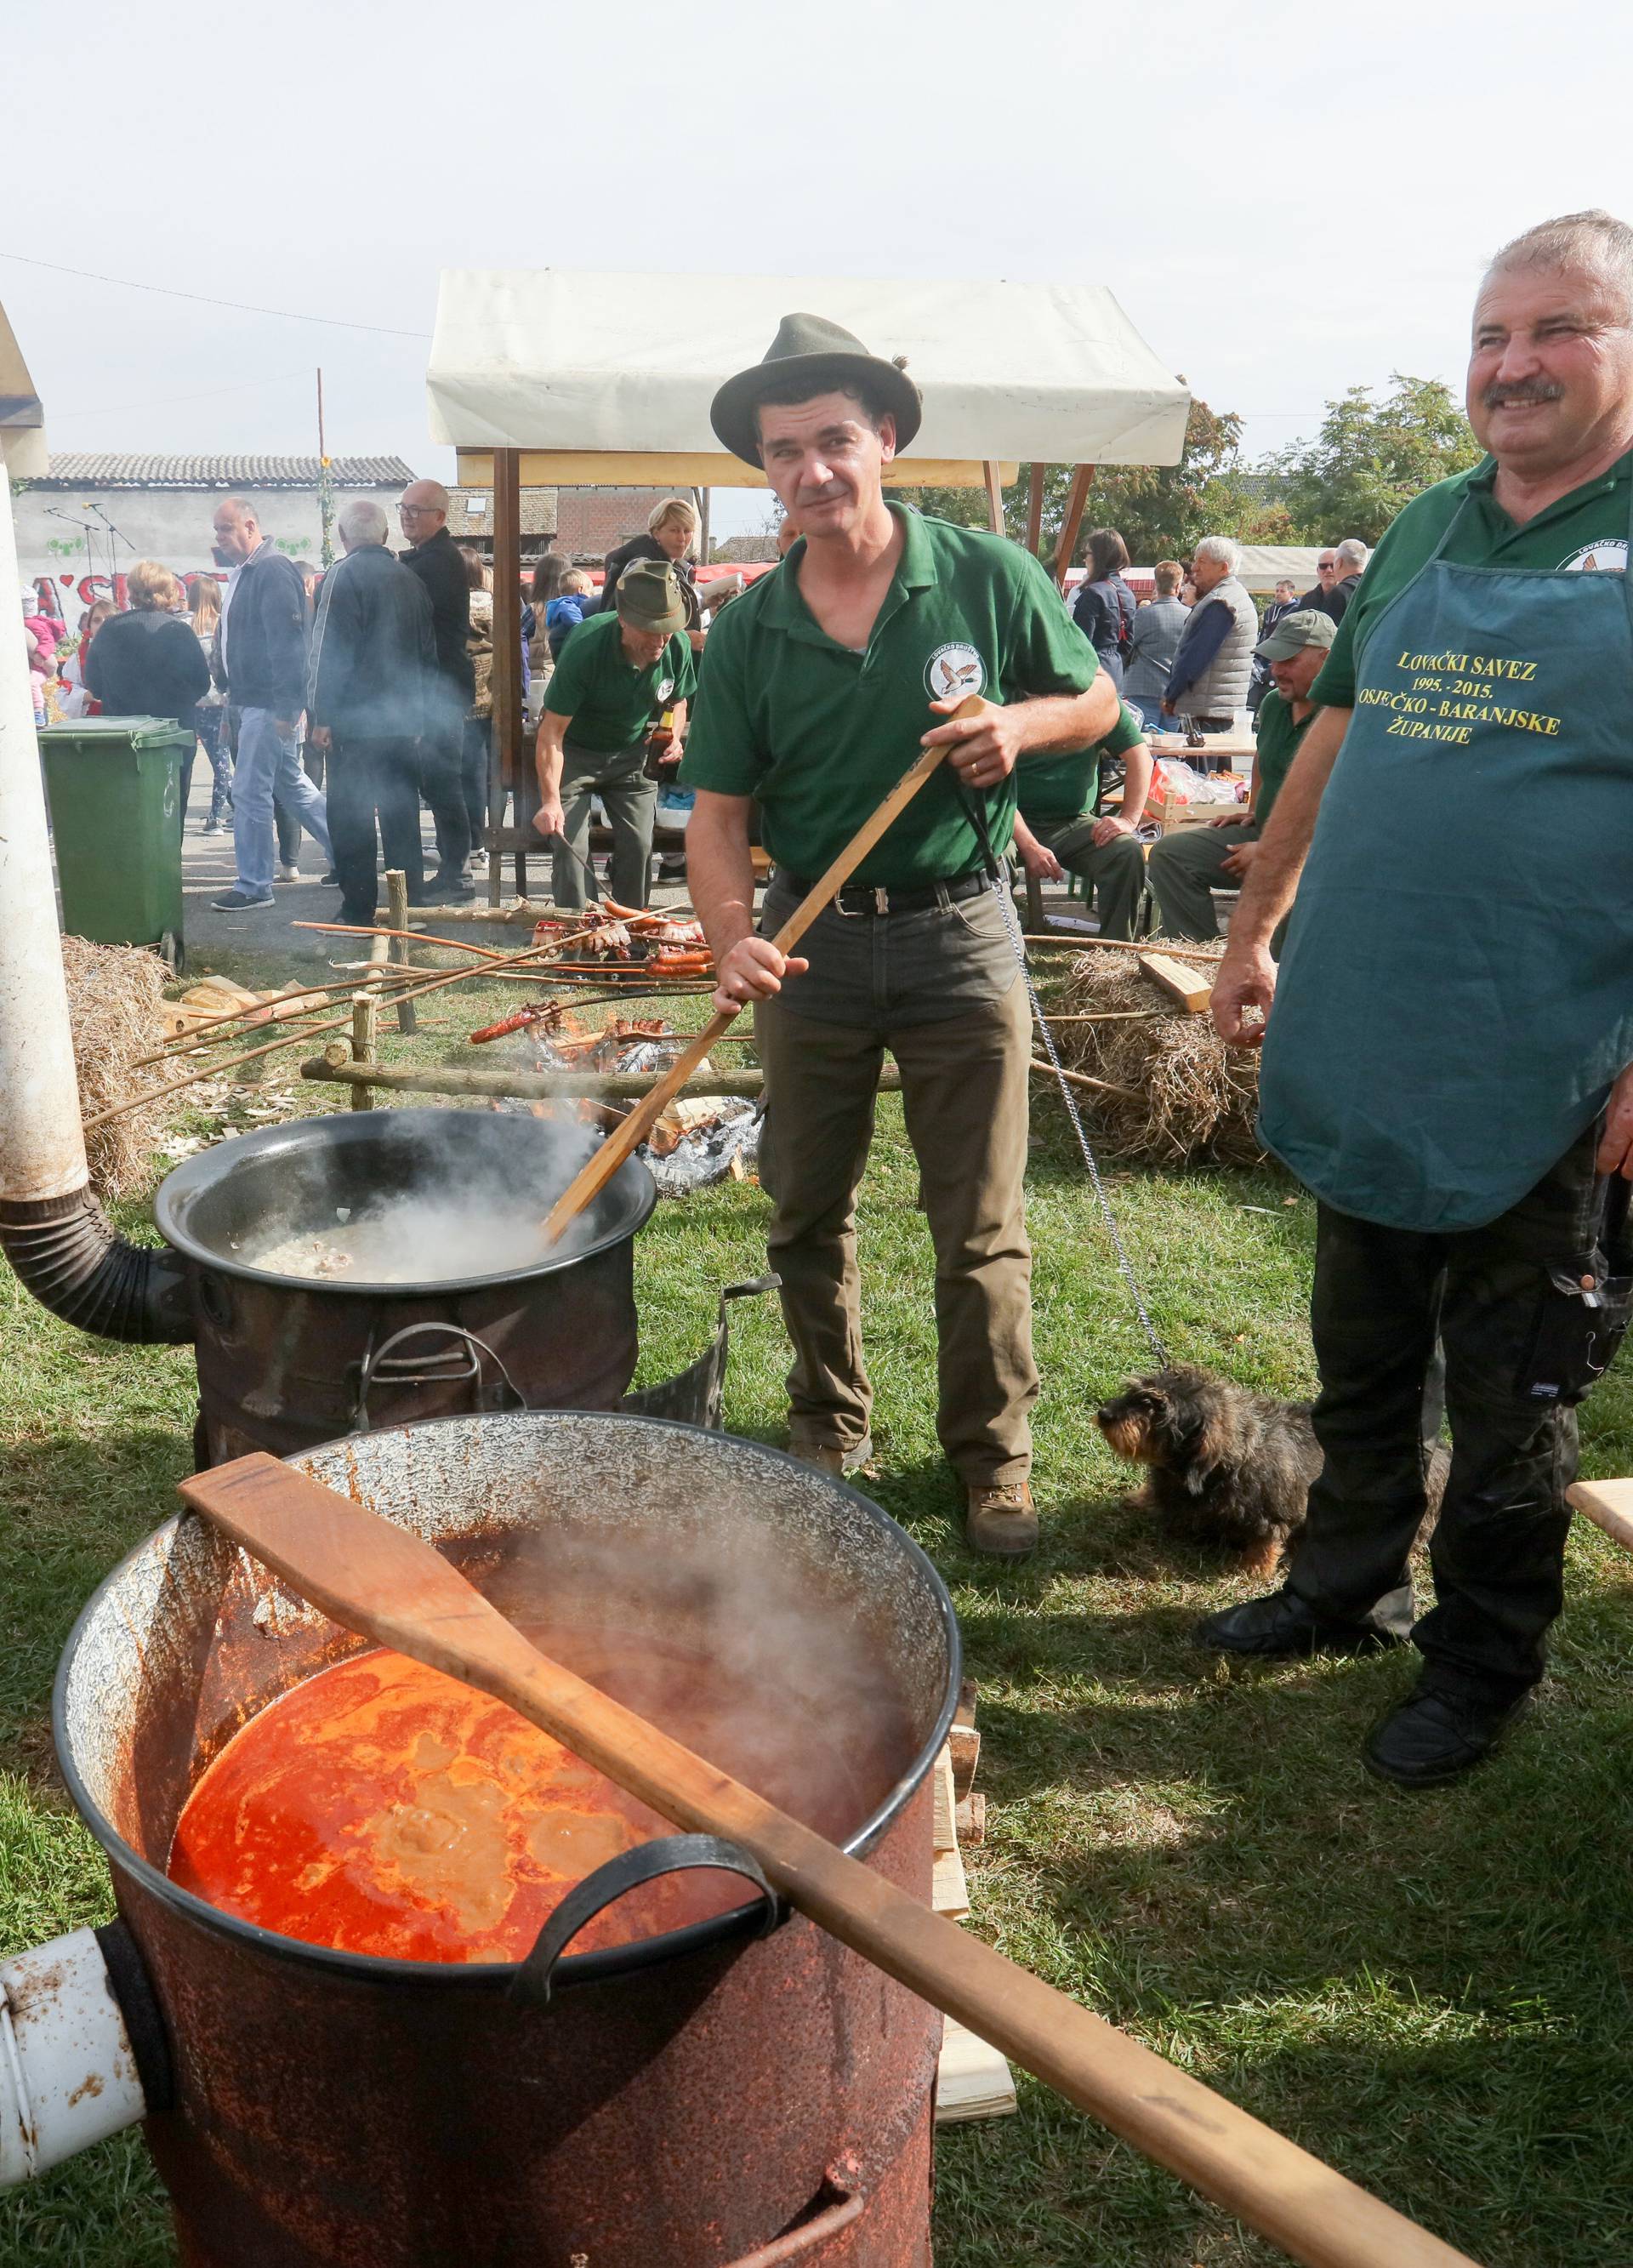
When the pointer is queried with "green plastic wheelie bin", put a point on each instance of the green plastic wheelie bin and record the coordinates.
(113, 786)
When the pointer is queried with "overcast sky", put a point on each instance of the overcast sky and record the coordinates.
(1286, 201)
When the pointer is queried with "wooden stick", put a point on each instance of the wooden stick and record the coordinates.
(397, 899)
(389, 1586)
(335, 1068)
(593, 1177)
(183, 1042)
(365, 1020)
(1082, 1079)
(1082, 475)
(1035, 506)
(413, 935)
(1112, 1016)
(312, 1031)
(995, 496)
(1129, 945)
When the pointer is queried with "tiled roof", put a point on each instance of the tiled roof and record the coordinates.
(97, 470)
(470, 511)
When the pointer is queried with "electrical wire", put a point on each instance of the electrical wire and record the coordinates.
(203, 300)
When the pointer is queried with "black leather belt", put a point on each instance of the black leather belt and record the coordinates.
(866, 898)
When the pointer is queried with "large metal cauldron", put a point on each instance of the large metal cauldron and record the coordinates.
(285, 1362)
(707, 2097)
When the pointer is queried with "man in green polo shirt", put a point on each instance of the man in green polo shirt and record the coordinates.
(819, 689)
(1186, 866)
(1448, 1043)
(1058, 828)
(617, 674)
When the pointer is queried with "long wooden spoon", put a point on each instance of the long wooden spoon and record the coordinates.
(384, 1583)
(593, 1177)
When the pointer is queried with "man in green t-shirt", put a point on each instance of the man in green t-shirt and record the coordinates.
(1186, 867)
(1057, 827)
(617, 674)
(1448, 1041)
(819, 687)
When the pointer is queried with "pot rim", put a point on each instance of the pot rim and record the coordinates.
(204, 1166)
(608, 1963)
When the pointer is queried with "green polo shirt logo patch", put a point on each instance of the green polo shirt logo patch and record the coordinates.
(1607, 557)
(953, 672)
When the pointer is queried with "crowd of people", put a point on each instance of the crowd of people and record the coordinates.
(341, 703)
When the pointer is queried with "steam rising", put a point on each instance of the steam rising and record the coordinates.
(466, 1215)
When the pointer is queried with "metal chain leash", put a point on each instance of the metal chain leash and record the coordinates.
(999, 883)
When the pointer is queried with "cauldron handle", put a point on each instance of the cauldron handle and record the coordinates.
(644, 1862)
(475, 1350)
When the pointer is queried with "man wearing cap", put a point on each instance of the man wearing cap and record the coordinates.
(819, 687)
(1448, 1040)
(1186, 867)
(617, 674)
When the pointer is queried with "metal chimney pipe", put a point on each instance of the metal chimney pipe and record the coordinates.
(52, 1229)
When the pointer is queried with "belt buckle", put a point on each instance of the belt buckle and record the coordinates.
(845, 912)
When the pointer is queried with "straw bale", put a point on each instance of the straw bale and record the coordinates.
(116, 1008)
(1198, 1098)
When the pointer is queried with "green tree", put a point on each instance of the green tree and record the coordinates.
(1160, 511)
(1372, 456)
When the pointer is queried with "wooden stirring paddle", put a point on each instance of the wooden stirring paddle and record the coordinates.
(387, 1585)
(593, 1178)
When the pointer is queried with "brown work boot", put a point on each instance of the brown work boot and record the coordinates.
(830, 1456)
(1002, 1519)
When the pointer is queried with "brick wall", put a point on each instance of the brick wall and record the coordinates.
(589, 522)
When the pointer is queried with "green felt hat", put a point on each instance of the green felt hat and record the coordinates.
(830, 358)
(649, 597)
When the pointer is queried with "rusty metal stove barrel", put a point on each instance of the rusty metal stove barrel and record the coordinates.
(710, 2098)
(287, 1361)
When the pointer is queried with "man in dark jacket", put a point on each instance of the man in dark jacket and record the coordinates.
(373, 662)
(434, 556)
(260, 656)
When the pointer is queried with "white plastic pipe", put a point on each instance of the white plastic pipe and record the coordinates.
(68, 2076)
(42, 1150)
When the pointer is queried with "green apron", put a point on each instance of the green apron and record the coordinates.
(1456, 998)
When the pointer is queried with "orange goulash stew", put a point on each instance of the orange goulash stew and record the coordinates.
(382, 1809)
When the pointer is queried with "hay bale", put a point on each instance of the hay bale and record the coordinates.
(114, 1006)
(1198, 1098)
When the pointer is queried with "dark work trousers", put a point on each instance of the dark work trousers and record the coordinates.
(938, 988)
(1521, 1350)
(473, 775)
(442, 764)
(368, 775)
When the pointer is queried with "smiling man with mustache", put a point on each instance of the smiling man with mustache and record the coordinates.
(1448, 1050)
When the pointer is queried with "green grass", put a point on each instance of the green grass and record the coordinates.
(1433, 1993)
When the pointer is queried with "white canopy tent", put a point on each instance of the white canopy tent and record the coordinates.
(543, 377)
(592, 378)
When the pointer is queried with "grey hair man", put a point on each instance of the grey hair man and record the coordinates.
(1348, 565)
(373, 668)
(1211, 671)
(1448, 1042)
(260, 660)
(434, 556)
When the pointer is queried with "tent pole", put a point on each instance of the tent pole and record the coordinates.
(1034, 510)
(504, 752)
(995, 496)
(1078, 498)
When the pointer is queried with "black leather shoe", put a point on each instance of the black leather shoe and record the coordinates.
(1281, 1627)
(1438, 1733)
